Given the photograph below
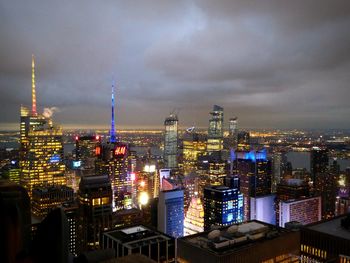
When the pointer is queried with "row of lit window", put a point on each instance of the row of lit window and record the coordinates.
(314, 251)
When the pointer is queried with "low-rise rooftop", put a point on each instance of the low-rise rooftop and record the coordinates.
(229, 239)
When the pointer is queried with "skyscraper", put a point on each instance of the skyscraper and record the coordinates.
(112, 160)
(243, 141)
(170, 141)
(223, 206)
(216, 131)
(233, 133)
(41, 148)
(303, 210)
(194, 220)
(86, 153)
(193, 146)
(171, 212)
(319, 164)
(254, 170)
(324, 180)
(95, 210)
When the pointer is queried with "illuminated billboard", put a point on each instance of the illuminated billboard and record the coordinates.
(120, 151)
(76, 164)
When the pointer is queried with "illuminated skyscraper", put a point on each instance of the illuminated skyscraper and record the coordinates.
(319, 164)
(291, 189)
(95, 210)
(41, 148)
(243, 141)
(233, 133)
(304, 211)
(223, 206)
(216, 131)
(112, 160)
(171, 212)
(170, 141)
(254, 170)
(324, 180)
(194, 220)
(193, 146)
(86, 152)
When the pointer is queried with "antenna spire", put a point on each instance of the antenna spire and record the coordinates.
(33, 87)
(113, 137)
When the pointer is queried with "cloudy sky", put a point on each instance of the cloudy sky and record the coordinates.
(274, 64)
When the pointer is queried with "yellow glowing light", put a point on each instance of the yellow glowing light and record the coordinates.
(142, 183)
(143, 198)
(341, 182)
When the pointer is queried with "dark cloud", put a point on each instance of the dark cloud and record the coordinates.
(271, 63)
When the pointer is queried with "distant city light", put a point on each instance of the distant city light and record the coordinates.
(149, 168)
(132, 176)
(143, 199)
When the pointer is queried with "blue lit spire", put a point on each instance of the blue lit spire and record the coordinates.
(113, 137)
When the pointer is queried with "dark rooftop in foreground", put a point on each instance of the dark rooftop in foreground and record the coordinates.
(136, 236)
(230, 239)
(332, 227)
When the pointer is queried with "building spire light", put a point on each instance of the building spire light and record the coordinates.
(34, 112)
(113, 137)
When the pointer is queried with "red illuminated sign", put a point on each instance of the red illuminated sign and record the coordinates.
(120, 150)
(98, 150)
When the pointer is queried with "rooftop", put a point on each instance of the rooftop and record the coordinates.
(229, 239)
(332, 227)
(136, 236)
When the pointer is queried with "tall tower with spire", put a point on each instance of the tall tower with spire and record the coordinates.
(113, 161)
(41, 147)
(112, 134)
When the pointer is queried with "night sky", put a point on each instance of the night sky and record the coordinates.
(274, 64)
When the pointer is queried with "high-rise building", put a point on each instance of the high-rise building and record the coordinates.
(193, 146)
(319, 164)
(254, 171)
(216, 130)
(46, 199)
(324, 180)
(223, 206)
(233, 133)
(171, 212)
(290, 189)
(342, 204)
(95, 210)
(112, 160)
(304, 210)
(170, 141)
(11, 172)
(279, 161)
(194, 220)
(71, 212)
(243, 141)
(86, 152)
(41, 148)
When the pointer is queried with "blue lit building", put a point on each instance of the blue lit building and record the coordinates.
(254, 171)
(171, 212)
(223, 206)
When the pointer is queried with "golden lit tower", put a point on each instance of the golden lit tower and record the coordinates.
(33, 88)
(41, 148)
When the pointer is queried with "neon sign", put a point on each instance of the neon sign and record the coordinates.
(120, 151)
(98, 150)
(55, 158)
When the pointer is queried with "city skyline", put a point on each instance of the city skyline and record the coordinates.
(185, 57)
